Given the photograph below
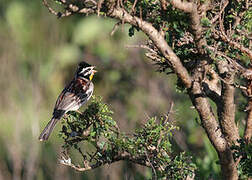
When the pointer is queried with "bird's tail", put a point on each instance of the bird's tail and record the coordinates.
(48, 129)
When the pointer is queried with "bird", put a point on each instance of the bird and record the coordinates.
(73, 96)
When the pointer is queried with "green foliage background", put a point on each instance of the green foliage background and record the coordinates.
(38, 56)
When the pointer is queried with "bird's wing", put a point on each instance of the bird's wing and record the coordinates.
(74, 95)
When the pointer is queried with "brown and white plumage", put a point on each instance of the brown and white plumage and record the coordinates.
(73, 96)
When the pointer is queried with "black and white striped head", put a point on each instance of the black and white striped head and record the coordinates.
(85, 70)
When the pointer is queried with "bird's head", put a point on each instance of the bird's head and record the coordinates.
(85, 70)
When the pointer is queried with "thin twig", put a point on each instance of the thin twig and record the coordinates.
(141, 46)
(225, 2)
(164, 122)
(115, 28)
(154, 177)
(133, 7)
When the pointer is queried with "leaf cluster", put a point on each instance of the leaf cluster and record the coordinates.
(149, 145)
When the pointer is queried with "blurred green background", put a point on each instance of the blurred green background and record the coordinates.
(38, 56)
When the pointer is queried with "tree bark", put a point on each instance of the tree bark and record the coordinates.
(248, 129)
(212, 128)
(227, 114)
(226, 109)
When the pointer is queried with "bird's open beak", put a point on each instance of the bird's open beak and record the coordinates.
(93, 70)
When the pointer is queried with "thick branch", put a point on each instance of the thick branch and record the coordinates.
(248, 129)
(211, 126)
(158, 40)
(227, 115)
(191, 8)
(226, 111)
(208, 120)
(214, 133)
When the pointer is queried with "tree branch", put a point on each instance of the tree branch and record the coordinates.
(214, 133)
(118, 157)
(226, 111)
(158, 40)
(191, 8)
(211, 125)
(194, 84)
(248, 129)
(211, 86)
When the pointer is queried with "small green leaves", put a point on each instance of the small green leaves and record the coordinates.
(103, 143)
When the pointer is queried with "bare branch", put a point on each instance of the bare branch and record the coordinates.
(73, 8)
(226, 111)
(117, 157)
(154, 176)
(115, 28)
(214, 132)
(210, 124)
(237, 45)
(143, 47)
(208, 119)
(225, 3)
(248, 129)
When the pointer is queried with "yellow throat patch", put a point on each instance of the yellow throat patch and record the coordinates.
(91, 76)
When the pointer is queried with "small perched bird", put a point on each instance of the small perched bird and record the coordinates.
(73, 96)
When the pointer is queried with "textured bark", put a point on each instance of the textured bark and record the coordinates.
(227, 114)
(248, 129)
(226, 109)
(207, 117)
(214, 133)
(210, 124)
(228, 167)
